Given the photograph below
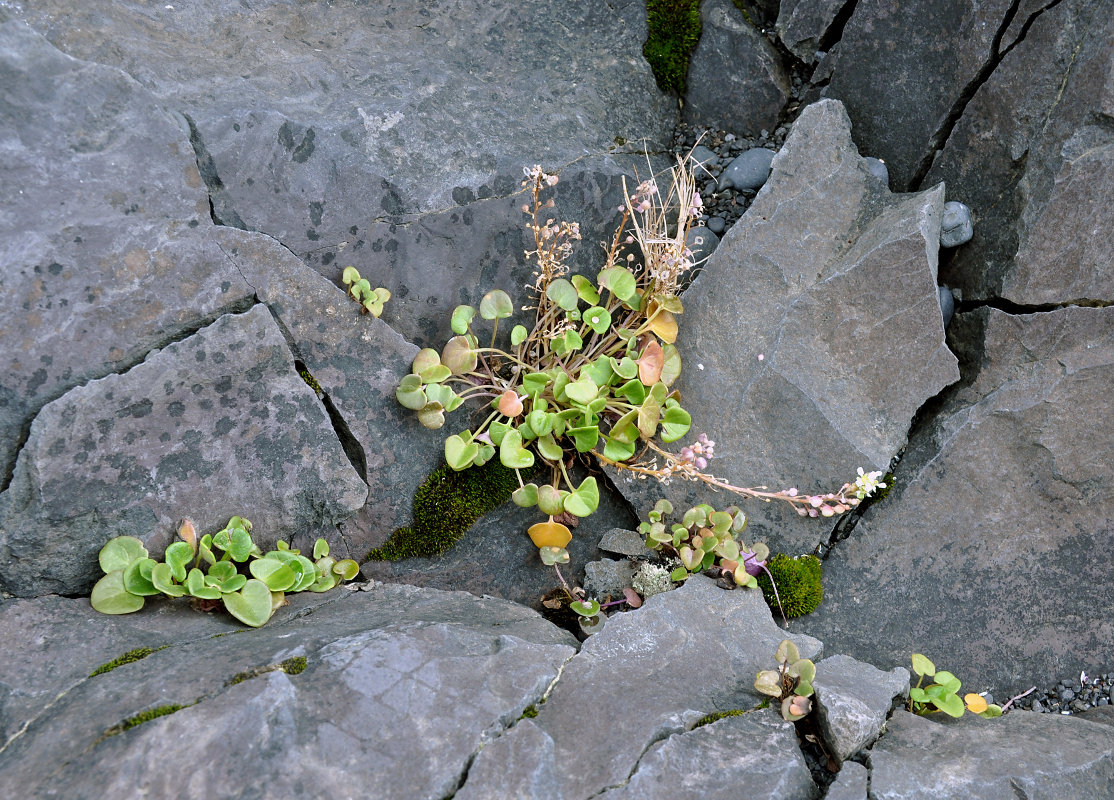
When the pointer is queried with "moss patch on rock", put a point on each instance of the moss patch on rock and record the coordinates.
(445, 507)
(673, 29)
(129, 657)
(798, 584)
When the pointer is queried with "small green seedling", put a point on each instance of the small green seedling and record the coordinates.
(371, 300)
(943, 693)
(791, 682)
(192, 568)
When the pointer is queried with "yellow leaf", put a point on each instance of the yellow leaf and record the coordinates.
(976, 703)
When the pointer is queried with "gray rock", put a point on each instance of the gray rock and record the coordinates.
(627, 675)
(1028, 155)
(736, 80)
(947, 303)
(1020, 754)
(851, 783)
(748, 171)
(878, 169)
(702, 242)
(215, 425)
(370, 125)
(832, 280)
(900, 73)
(801, 25)
(717, 225)
(607, 578)
(702, 156)
(357, 360)
(756, 754)
(955, 225)
(401, 687)
(107, 250)
(624, 542)
(853, 701)
(1013, 477)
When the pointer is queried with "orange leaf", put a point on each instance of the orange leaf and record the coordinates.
(509, 404)
(651, 364)
(662, 322)
(976, 703)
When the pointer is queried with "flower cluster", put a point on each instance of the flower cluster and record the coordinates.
(866, 484)
(699, 453)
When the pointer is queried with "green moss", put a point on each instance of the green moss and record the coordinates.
(310, 381)
(529, 712)
(445, 507)
(708, 719)
(294, 666)
(143, 716)
(137, 654)
(673, 29)
(798, 583)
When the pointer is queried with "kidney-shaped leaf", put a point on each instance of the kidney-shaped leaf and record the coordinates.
(110, 597)
(121, 551)
(251, 605)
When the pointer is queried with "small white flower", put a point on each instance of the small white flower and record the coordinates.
(867, 483)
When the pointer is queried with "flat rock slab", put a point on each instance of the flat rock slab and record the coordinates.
(993, 554)
(801, 25)
(853, 701)
(1032, 157)
(215, 425)
(624, 691)
(736, 80)
(105, 240)
(401, 687)
(1019, 755)
(900, 71)
(756, 754)
(353, 133)
(813, 334)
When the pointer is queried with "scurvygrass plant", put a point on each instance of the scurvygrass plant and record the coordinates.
(593, 375)
(191, 567)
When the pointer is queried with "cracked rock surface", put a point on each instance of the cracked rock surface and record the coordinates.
(114, 458)
(813, 332)
(400, 686)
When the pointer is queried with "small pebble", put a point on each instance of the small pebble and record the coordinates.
(955, 226)
(703, 156)
(717, 225)
(702, 242)
(748, 171)
(878, 169)
(947, 306)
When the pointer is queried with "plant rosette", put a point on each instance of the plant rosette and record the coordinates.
(942, 695)
(791, 682)
(192, 568)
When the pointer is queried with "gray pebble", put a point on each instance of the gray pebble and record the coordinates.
(702, 242)
(748, 171)
(878, 169)
(1067, 695)
(717, 225)
(955, 227)
(703, 156)
(947, 303)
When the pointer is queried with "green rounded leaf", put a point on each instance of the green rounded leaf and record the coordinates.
(583, 390)
(620, 281)
(598, 319)
(458, 454)
(277, 576)
(240, 546)
(196, 586)
(320, 548)
(550, 499)
(110, 597)
(553, 555)
(350, 276)
(346, 569)
(540, 421)
(675, 422)
(162, 577)
(178, 556)
(584, 437)
(518, 335)
(458, 356)
(432, 416)
(585, 289)
(304, 572)
(618, 450)
(768, 682)
(409, 393)
(525, 496)
(512, 454)
(626, 368)
(569, 342)
(496, 304)
(137, 577)
(462, 318)
(922, 666)
(671, 369)
(119, 552)
(251, 605)
(585, 608)
(549, 448)
(426, 358)
(950, 704)
(585, 499)
(787, 652)
(563, 293)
